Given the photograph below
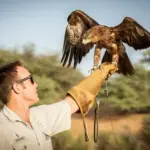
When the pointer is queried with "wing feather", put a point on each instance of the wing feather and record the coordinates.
(133, 33)
(71, 56)
(73, 49)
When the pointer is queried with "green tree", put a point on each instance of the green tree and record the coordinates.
(53, 79)
(146, 57)
(130, 93)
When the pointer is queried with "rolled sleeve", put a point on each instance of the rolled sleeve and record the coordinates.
(55, 118)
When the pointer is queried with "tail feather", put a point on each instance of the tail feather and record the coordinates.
(124, 65)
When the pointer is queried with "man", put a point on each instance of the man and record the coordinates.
(25, 128)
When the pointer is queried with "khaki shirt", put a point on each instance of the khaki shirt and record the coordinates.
(46, 120)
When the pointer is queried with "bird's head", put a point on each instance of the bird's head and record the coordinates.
(90, 37)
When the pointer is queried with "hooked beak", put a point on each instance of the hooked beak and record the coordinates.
(86, 41)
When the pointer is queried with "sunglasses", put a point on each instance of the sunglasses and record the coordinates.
(26, 78)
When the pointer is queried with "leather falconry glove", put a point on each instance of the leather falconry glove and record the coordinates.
(86, 91)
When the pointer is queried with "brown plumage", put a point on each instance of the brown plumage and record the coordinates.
(73, 49)
(110, 38)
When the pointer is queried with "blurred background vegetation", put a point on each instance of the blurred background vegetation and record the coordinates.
(126, 95)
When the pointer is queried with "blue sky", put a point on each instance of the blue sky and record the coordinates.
(43, 22)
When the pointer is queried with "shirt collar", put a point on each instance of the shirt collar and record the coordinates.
(11, 115)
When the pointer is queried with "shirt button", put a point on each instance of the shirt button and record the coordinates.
(25, 146)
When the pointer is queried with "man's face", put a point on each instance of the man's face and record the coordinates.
(28, 89)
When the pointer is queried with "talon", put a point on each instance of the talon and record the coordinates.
(95, 67)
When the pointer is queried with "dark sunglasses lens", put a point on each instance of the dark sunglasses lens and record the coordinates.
(32, 81)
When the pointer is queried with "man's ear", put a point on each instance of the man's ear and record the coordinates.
(16, 87)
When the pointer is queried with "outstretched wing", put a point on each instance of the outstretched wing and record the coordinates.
(73, 49)
(133, 34)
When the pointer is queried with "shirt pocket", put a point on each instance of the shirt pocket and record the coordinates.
(47, 137)
(19, 143)
(47, 141)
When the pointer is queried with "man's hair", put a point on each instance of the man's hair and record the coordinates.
(8, 75)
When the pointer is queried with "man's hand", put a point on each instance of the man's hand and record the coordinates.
(108, 68)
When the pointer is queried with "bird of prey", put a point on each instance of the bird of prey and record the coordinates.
(129, 31)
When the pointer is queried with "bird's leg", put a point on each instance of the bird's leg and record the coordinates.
(115, 59)
(115, 54)
(97, 55)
